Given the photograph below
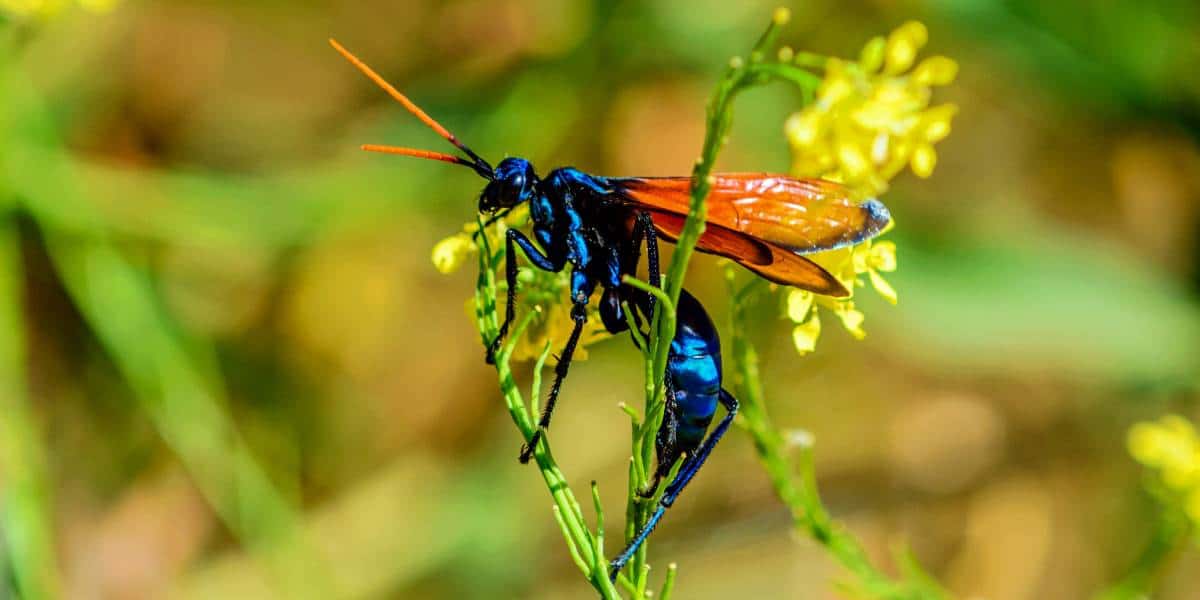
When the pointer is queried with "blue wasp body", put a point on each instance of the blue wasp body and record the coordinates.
(578, 220)
(694, 390)
(597, 226)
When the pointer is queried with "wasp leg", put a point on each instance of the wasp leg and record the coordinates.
(643, 231)
(583, 288)
(685, 475)
(650, 236)
(514, 239)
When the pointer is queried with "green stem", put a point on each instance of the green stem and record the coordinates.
(583, 545)
(119, 302)
(795, 482)
(1172, 533)
(739, 76)
(24, 502)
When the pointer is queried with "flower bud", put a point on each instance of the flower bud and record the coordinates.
(902, 47)
(936, 122)
(448, 255)
(924, 159)
(871, 57)
(935, 70)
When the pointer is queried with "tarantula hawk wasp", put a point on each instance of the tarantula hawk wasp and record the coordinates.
(596, 224)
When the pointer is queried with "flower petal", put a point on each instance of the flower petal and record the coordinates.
(882, 286)
(799, 303)
(804, 335)
(852, 319)
(883, 256)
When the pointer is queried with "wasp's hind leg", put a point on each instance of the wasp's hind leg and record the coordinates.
(690, 467)
(644, 228)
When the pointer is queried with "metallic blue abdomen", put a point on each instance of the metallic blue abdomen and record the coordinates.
(694, 368)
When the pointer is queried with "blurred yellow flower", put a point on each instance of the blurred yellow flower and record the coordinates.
(50, 8)
(450, 253)
(1170, 448)
(871, 118)
(543, 293)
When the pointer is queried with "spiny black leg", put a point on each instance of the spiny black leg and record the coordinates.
(685, 475)
(654, 276)
(512, 240)
(510, 277)
(579, 315)
(692, 466)
(643, 231)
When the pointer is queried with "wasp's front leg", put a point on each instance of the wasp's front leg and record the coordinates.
(513, 240)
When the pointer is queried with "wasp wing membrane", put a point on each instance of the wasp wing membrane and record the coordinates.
(774, 263)
(802, 215)
(765, 222)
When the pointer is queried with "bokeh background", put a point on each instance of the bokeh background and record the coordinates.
(230, 369)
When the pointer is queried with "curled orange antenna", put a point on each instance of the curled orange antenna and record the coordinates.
(481, 166)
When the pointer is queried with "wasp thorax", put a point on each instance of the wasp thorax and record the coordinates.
(514, 183)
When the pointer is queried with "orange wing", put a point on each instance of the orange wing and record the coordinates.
(800, 215)
(774, 263)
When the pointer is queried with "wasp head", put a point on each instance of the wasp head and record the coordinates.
(514, 182)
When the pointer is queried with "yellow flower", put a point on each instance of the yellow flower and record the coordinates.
(543, 293)
(848, 265)
(873, 259)
(871, 117)
(50, 8)
(1170, 448)
(802, 310)
(808, 322)
(449, 254)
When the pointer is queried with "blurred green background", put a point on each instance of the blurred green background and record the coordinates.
(229, 368)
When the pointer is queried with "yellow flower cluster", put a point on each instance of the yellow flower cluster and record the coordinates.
(869, 120)
(50, 8)
(848, 265)
(542, 292)
(1170, 447)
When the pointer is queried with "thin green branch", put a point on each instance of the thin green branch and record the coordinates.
(1172, 533)
(739, 76)
(583, 545)
(668, 587)
(569, 537)
(25, 522)
(600, 565)
(795, 482)
(175, 387)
